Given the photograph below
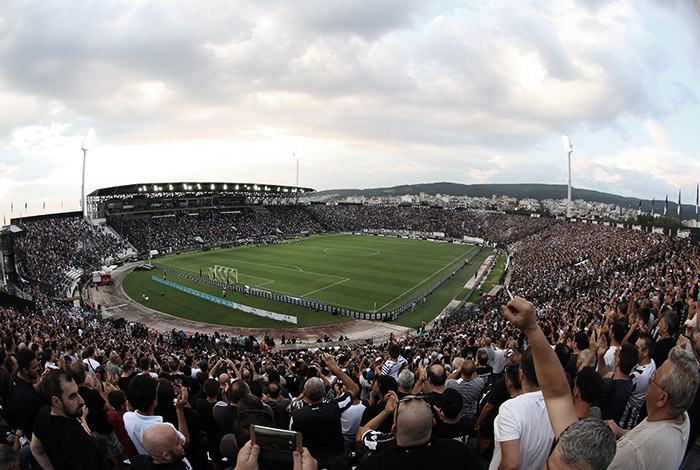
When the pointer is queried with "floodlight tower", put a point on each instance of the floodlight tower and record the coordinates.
(84, 148)
(569, 149)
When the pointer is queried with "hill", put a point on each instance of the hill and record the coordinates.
(519, 191)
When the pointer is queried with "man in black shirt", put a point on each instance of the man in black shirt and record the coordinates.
(449, 425)
(383, 385)
(319, 421)
(100, 428)
(60, 441)
(23, 402)
(616, 391)
(413, 421)
(668, 326)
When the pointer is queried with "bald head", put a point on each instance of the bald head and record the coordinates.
(314, 390)
(414, 423)
(163, 444)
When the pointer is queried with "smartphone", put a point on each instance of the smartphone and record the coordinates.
(275, 444)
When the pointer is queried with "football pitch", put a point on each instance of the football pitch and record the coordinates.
(357, 272)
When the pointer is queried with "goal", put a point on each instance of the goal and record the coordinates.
(223, 274)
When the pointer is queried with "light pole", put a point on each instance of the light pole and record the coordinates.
(82, 186)
(569, 149)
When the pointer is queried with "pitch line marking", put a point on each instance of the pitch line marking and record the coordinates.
(289, 269)
(357, 252)
(421, 282)
(325, 287)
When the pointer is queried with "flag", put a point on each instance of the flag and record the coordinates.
(25, 206)
(639, 208)
(61, 204)
(679, 203)
(12, 207)
(666, 205)
(44, 205)
(653, 201)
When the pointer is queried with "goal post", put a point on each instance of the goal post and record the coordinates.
(223, 274)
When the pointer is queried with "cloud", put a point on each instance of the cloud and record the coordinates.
(374, 91)
(656, 132)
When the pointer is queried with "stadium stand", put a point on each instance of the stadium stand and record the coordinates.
(605, 346)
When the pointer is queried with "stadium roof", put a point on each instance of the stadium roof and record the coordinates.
(199, 189)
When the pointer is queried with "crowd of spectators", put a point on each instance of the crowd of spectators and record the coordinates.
(601, 372)
(182, 231)
(51, 247)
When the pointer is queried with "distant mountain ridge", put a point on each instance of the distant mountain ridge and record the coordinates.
(518, 190)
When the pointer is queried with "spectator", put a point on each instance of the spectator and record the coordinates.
(117, 399)
(581, 444)
(406, 382)
(586, 392)
(142, 397)
(641, 373)
(382, 386)
(617, 390)
(470, 387)
(60, 440)
(319, 421)
(660, 440)
(668, 326)
(394, 363)
(95, 399)
(450, 425)
(522, 429)
(24, 402)
(413, 449)
(165, 450)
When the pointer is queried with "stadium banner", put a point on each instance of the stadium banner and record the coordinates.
(683, 233)
(224, 302)
(637, 227)
(657, 230)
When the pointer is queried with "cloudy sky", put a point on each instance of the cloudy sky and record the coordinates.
(364, 92)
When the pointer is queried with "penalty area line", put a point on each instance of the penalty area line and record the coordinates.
(325, 287)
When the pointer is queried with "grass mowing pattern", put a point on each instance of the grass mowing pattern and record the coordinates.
(345, 270)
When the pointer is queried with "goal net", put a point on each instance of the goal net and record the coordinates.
(223, 274)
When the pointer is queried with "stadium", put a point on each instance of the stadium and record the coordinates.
(447, 282)
(168, 277)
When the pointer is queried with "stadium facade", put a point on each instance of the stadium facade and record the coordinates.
(160, 198)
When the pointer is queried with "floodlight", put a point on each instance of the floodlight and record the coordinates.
(213, 187)
(566, 143)
(199, 186)
(170, 187)
(225, 187)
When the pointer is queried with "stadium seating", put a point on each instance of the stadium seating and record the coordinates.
(596, 290)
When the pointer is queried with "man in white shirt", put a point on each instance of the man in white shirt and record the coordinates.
(642, 372)
(618, 330)
(522, 432)
(659, 441)
(142, 397)
(90, 361)
(393, 364)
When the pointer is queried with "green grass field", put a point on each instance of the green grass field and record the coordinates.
(357, 272)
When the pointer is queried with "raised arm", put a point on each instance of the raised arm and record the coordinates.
(550, 374)
(350, 384)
